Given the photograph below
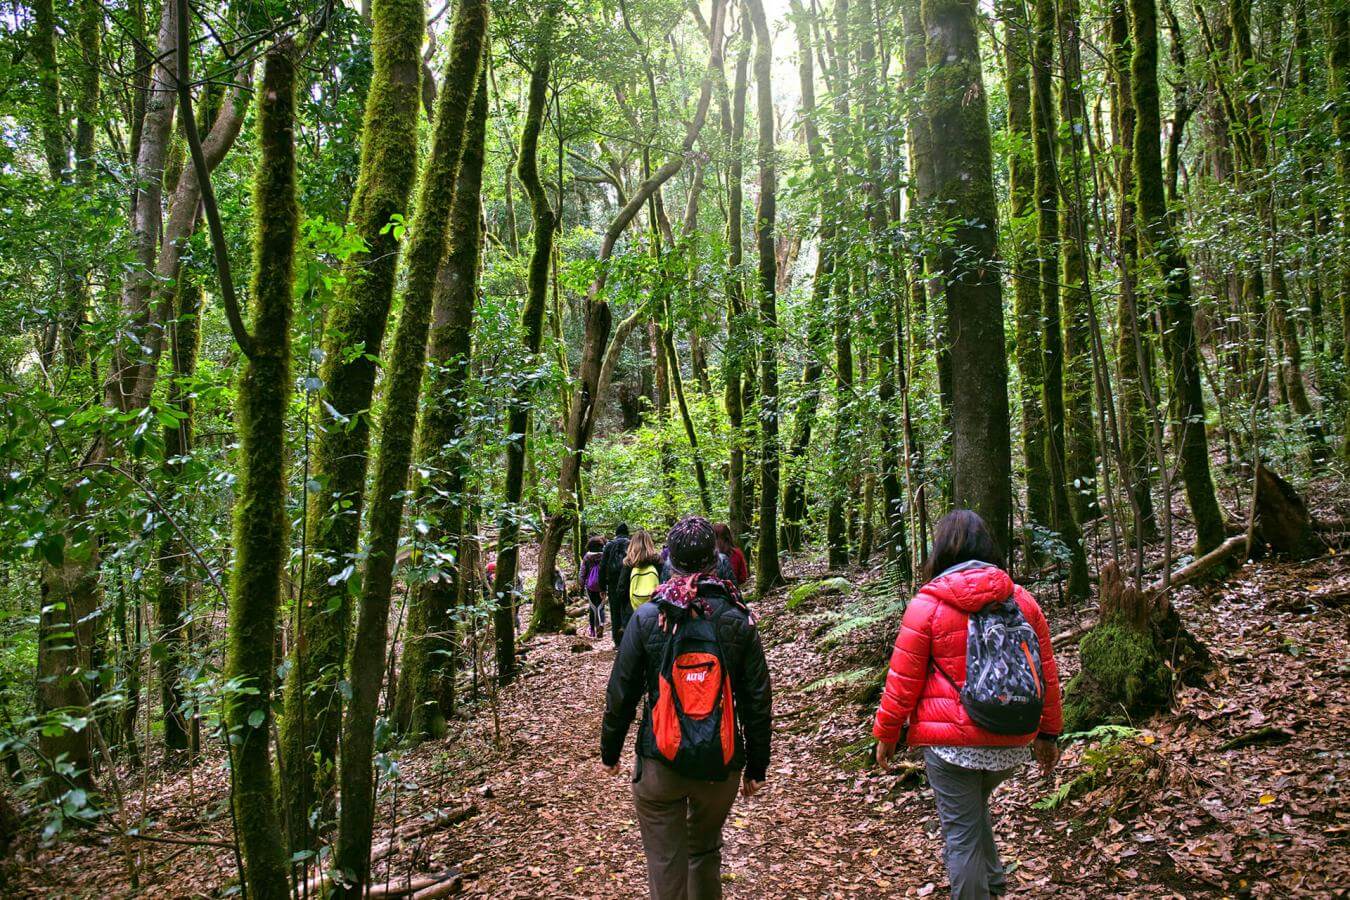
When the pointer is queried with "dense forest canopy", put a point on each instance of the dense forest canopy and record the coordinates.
(308, 312)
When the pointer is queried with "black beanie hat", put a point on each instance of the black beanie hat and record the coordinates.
(693, 546)
(621, 530)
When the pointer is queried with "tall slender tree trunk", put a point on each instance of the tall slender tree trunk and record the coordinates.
(260, 540)
(1179, 344)
(130, 375)
(842, 444)
(426, 250)
(1131, 356)
(51, 120)
(354, 336)
(532, 320)
(768, 575)
(1026, 293)
(879, 281)
(426, 688)
(1338, 40)
(1080, 466)
(1047, 236)
(174, 595)
(739, 348)
(963, 180)
(794, 495)
(71, 593)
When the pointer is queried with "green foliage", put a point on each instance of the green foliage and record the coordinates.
(1123, 678)
(1114, 752)
(803, 592)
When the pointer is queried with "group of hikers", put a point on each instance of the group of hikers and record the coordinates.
(972, 681)
(628, 569)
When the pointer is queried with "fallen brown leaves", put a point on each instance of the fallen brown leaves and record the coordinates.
(1237, 792)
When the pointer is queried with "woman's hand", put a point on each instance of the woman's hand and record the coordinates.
(885, 752)
(750, 788)
(612, 770)
(1047, 754)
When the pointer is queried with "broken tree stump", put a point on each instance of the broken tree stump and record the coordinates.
(1282, 517)
(1131, 657)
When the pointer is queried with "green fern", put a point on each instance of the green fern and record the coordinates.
(856, 676)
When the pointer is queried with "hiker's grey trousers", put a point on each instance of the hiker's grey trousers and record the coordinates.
(967, 831)
(681, 821)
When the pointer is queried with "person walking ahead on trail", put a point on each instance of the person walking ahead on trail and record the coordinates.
(726, 545)
(694, 656)
(593, 583)
(973, 680)
(642, 575)
(611, 570)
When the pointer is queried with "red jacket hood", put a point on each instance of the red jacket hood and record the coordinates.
(970, 586)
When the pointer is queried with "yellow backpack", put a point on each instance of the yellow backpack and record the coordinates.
(642, 584)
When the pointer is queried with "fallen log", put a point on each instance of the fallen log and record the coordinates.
(1069, 635)
(1268, 735)
(447, 888)
(404, 886)
(438, 819)
(1198, 568)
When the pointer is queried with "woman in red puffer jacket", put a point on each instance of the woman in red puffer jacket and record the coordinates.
(964, 762)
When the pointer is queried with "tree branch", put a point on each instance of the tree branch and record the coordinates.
(199, 163)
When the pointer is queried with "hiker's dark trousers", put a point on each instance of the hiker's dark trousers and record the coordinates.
(681, 821)
(967, 831)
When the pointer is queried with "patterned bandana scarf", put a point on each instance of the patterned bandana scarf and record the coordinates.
(683, 593)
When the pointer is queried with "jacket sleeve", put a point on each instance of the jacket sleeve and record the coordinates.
(754, 703)
(908, 670)
(627, 684)
(1052, 716)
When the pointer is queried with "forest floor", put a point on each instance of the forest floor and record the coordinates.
(1240, 790)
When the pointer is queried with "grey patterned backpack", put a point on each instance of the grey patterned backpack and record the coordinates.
(1004, 691)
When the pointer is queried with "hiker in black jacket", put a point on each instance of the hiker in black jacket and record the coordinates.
(681, 817)
(611, 571)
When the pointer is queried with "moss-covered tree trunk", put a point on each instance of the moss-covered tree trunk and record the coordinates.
(426, 688)
(1131, 351)
(1160, 245)
(1022, 227)
(260, 543)
(354, 335)
(175, 595)
(964, 185)
(768, 575)
(1047, 239)
(1080, 466)
(51, 120)
(353, 340)
(1338, 40)
(532, 330)
(426, 250)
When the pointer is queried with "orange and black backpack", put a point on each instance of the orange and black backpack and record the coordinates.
(692, 712)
